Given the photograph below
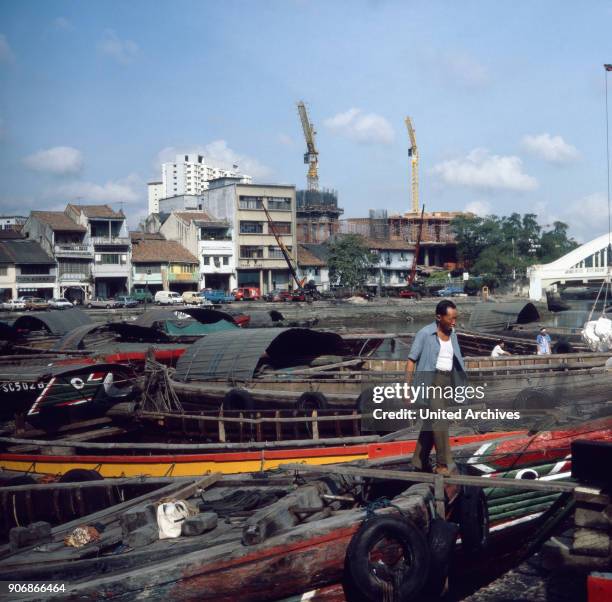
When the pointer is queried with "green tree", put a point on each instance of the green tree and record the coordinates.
(349, 260)
(507, 245)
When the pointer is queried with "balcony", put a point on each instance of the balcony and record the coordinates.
(111, 270)
(73, 250)
(35, 278)
(155, 278)
(110, 240)
(73, 277)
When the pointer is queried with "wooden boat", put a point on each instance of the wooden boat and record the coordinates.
(246, 372)
(52, 394)
(134, 458)
(287, 533)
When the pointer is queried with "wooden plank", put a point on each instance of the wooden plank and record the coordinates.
(421, 477)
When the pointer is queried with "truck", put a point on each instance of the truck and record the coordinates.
(217, 296)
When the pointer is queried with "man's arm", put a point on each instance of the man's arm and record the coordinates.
(410, 367)
(414, 355)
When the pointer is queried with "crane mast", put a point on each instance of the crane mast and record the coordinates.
(413, 153)
(311, 156)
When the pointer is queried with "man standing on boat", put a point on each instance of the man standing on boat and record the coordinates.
(543, 342)
(435, 359)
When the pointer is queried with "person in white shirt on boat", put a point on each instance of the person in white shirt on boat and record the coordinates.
(499, 350)
(544, 343)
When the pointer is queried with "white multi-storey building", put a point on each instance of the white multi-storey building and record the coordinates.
(155, 192)
(190, 174)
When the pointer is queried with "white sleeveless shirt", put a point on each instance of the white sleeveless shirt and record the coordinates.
(445, 357)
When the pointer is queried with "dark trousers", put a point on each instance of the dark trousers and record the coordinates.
(434, 433)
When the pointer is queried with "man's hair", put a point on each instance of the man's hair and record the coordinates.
(443, 306)
(500, 341)
(542, 329)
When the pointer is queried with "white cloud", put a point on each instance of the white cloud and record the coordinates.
(123, 51)
(480, 208)
(128, 190)
(63, 24)
(550, 148)
(365, 128)
(218, 154)
(59, 160)
(6, 54)
(480, 169)
(587, 216)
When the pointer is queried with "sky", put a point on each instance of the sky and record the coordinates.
(508, 100)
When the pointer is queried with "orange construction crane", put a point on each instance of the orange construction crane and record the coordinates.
(284, 250)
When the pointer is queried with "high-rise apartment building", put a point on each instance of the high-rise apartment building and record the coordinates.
(190, 174)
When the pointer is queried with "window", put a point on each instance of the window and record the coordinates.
(225, 259)
(249, 252)
(276, 253)
(282, 227)
(279, 204)
(217, 261)
(206, 259)
(111, 258)
(251, 227)
(147, 268)
(3, 270)
(250, 202)
(35, 269)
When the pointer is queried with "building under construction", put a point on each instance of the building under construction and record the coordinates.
(317, 215)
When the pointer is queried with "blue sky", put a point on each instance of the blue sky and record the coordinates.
(507, 100)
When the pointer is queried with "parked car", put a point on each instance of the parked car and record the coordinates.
(195, 298)
(217, 296)
(168, 298)
(36, 304)
(300, 294)
(407, 293)
(277, 295)
(451, 291)
(247, 293)
(142, 295)
(59, 303)
(125, 301)
(102, 302)
(14, 305)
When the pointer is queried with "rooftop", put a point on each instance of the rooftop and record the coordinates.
(101, 211)
(138, 235)
(58, 221)
(160, 251)
(306, 258)
(23, 252)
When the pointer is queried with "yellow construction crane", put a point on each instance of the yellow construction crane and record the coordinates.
(413, 153)
(311, 157)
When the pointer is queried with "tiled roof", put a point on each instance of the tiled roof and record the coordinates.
(58, 221)
(11, 234)
(136, 236)
(306, 258)
(97, 211)
(23, 251)
(389, 245)
(198, 216)
(160, 251)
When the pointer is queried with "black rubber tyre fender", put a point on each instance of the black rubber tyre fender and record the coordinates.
(238, 399)
(365, 400)
(362, 582)
(93, 499)
(563, 346)
(473, 518)
(441, 537)
(17, 502)
(312, 400)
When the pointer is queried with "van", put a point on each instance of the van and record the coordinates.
(167, 298)
(247, 293)
(194, 298)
